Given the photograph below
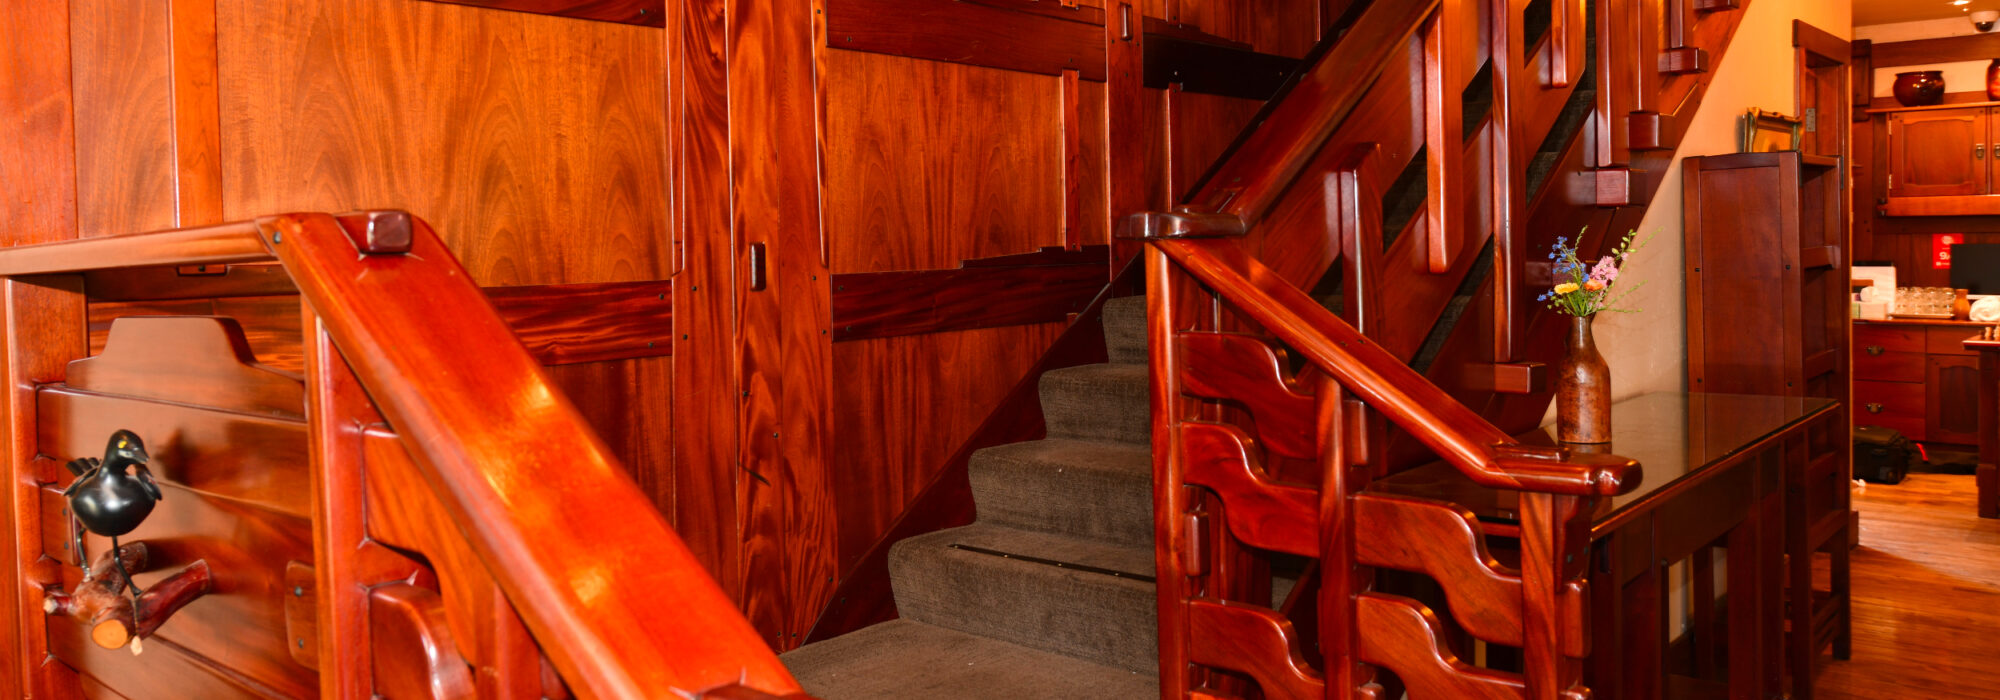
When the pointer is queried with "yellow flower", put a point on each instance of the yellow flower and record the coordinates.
(1565, 287)
(1593, 285)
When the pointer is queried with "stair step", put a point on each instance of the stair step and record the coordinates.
(906, 660)
(1125, 329)
(1057, 594)
(1098, 402)
(1079, 488)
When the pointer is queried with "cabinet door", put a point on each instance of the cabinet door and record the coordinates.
(1952, 413)
(1937, 153)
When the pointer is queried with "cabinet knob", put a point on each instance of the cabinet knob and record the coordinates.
(1873, 407)
(1874, 349)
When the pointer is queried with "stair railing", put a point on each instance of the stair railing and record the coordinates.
(1207, 627)
(609, 591)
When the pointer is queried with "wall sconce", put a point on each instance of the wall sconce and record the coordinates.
(1983, 20)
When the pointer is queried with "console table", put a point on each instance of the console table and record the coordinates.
(1718, 470)
(1988, 477)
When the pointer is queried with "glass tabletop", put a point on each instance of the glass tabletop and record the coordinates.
(1673, 435)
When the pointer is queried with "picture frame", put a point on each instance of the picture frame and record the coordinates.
(1769, 132)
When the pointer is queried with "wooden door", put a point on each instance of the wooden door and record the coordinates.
(1952, 406)
(1937, 153)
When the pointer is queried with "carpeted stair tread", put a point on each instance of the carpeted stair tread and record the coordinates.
(1080, 488)
(1005, 583)
(1097, 402)
(1125, 329)
(902, 659)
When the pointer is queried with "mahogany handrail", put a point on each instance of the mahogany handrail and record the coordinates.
(608, 589)
(1462, 437)
(1250, 181)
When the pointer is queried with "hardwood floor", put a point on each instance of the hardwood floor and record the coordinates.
(1926, 596)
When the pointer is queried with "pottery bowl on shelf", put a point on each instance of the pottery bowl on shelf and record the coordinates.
(1920, 88)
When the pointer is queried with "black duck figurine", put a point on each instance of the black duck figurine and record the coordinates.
(107, 498)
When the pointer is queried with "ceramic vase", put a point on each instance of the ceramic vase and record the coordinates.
(1583, 388)
(1920, 88)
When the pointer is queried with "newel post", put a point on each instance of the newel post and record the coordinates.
(1551, 558)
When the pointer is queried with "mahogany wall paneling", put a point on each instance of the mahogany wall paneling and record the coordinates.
(650, 13)
(887, 304)
(705, 390)
(1282, 27)
(782, 353)
(528, 185)
(1933, 153)
(967, 165)
(1951, 402)
(1201, 127)
(45, 323)
(905, 404)
(124, 115)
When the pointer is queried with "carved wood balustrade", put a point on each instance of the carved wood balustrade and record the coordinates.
(1227, 410)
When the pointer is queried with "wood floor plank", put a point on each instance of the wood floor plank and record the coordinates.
(1926, 596)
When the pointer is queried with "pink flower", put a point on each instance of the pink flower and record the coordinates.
(1606, 270)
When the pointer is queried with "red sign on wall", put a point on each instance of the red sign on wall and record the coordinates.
(1941, 249)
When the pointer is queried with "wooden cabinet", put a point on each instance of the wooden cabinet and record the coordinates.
(1941, 161)
(1918, 379)
(1939, 153)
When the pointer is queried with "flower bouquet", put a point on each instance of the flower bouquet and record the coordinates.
(1583, 289)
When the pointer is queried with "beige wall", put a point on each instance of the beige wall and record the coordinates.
(1648, 350)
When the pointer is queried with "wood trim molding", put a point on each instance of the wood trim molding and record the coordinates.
(979, 294)
(1976, 47)
(645, 13)
(1819, 41)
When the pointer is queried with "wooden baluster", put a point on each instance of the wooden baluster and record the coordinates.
(1444, 142)
(1341, 578)
(1358, 223)
(1505, 200)
(1171, 503)
(1681, 55)
(1566, 43)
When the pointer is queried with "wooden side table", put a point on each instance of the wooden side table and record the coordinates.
(1720, 473)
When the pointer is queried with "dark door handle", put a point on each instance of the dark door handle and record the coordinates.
(1873, 407)
(757, 281)
(1874, 349)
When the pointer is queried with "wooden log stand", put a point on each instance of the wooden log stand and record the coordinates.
(116, 619)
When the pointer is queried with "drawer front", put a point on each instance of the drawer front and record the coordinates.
(1891, 405)
(1888, 366)
(1950, 340)
(1889, 338)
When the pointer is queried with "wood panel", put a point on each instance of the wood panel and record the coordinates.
(1283, 27)
(650, 13)
(888, 304)
(968, 164)
(124, 115)
(782, 354)
(447, 111)
(44, 322)
(902, 411)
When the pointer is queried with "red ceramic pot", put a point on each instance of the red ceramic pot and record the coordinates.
(1919, 88)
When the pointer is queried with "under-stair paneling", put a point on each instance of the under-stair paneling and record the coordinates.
(930, 163)
(533, 144)
(122, 72)
(1202, 127)
(904, 405)
(1283, 27)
